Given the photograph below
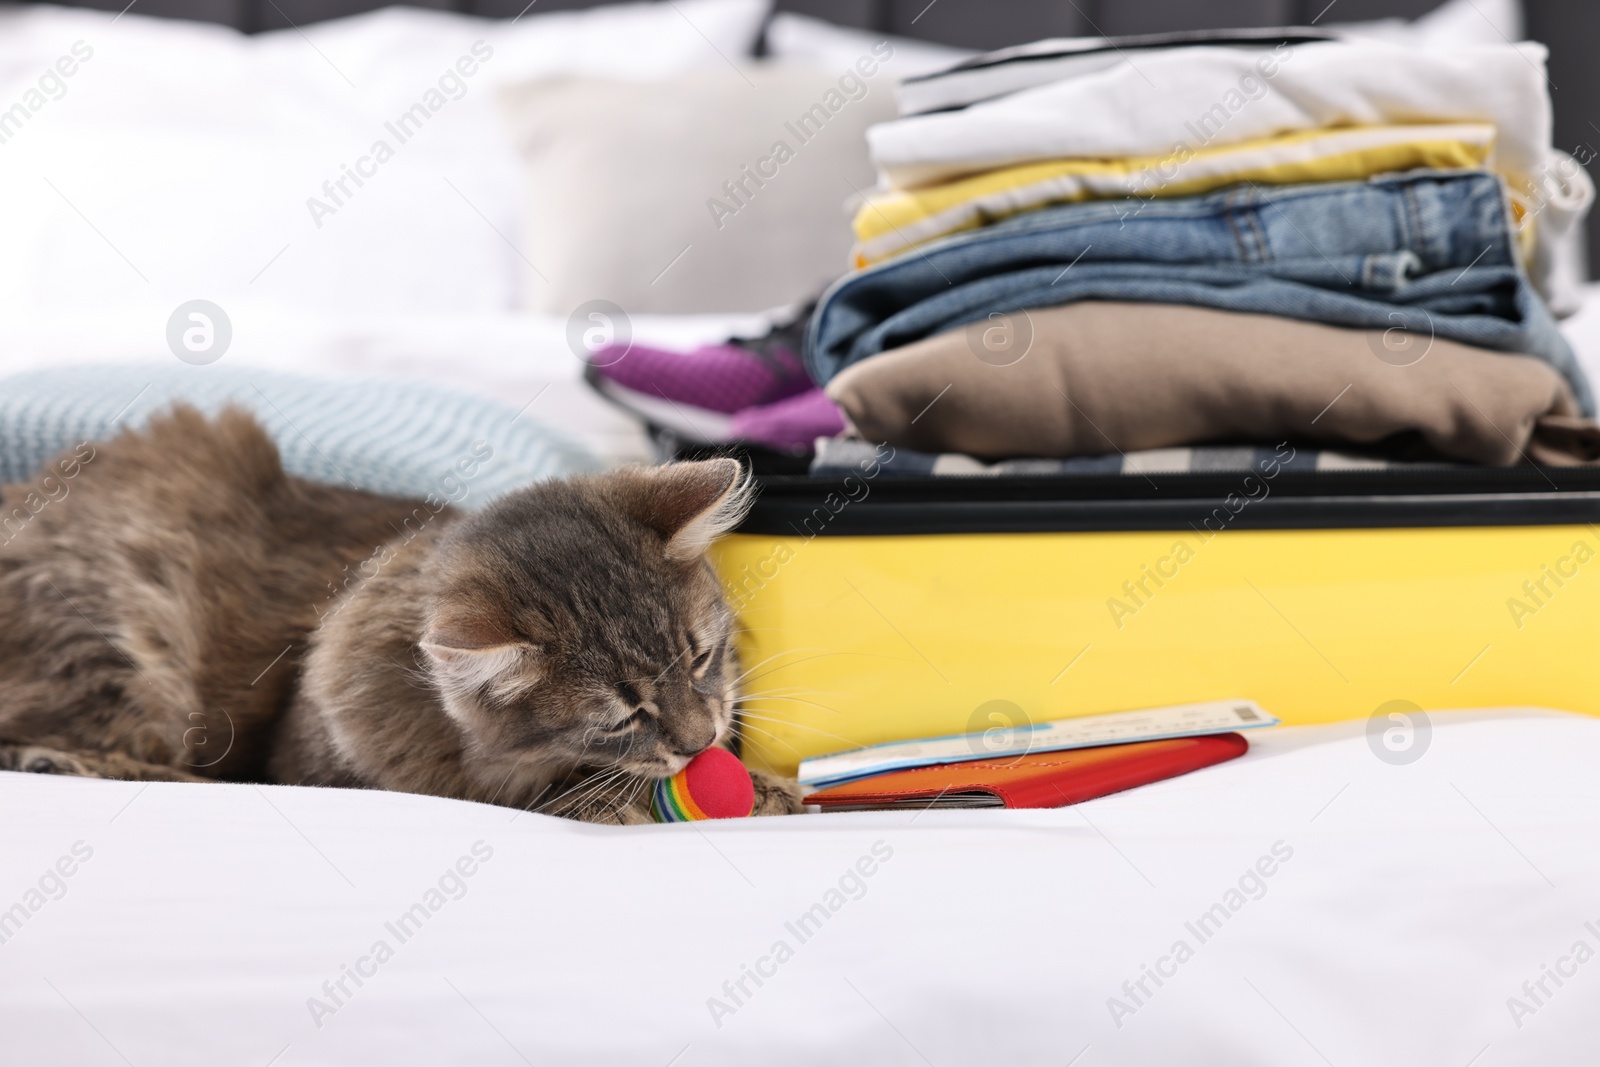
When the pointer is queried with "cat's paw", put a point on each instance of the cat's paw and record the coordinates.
(775, 795)
(37, 760)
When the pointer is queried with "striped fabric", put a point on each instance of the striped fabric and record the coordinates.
(385, 436)
(838, 455)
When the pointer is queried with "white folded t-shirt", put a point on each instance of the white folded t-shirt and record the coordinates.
(1152, 102)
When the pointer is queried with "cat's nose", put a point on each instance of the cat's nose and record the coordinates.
(689, 749)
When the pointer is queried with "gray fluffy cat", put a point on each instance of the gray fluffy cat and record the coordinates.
(164, 614)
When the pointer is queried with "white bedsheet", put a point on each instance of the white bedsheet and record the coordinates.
(1416, 901)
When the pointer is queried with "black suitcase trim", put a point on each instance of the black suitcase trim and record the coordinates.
(887, 505)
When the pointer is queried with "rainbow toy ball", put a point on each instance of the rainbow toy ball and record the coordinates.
(714, 785)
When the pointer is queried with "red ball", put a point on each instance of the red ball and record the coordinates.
(719, 784)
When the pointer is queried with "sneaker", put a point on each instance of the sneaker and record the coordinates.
(693, 393)
(789, 425)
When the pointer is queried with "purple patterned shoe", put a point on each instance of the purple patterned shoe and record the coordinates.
(789, 425)
(722, 378)
(693, 393)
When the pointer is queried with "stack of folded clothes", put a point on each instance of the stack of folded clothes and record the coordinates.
(1159, 252)
(1099, 248)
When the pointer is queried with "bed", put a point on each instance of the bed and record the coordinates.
(1310, 903)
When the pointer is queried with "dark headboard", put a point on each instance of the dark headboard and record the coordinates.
(969, 23)
(1570, 27)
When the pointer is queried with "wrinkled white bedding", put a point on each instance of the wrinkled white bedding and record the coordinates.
(1370, 914)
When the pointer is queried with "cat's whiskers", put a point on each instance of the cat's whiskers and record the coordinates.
(791, 700)
(582, 800)
(798, 726)
(768, 659)
(515, 766)
(803, 689)
(588, 787)
(768, 733)
(633, 795)
(825, 655)
(797, 662)
(598, 797)
(734, 656)
(536, 805)
(528, 807)
(560, 783)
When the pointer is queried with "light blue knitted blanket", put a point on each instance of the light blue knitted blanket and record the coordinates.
(385, 436)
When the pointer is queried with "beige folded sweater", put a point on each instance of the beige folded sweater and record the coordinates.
(1092, 378)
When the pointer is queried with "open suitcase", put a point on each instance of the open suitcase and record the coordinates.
(877, 607)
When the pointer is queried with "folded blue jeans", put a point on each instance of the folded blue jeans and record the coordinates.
(1430, 252)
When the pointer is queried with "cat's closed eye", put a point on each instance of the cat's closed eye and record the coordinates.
(701, 651)
(640, 717)
(641, 714)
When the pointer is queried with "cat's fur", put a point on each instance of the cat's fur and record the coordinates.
(181, 609)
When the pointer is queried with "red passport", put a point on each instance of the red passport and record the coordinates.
(1034, 780)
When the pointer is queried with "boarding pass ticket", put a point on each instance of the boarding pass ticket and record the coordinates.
(1151, 724)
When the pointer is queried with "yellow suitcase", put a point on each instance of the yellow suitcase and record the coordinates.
(878, 608)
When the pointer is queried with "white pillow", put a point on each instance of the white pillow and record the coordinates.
(676, 197)
(182, 161)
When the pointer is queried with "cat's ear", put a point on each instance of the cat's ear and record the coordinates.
(473, 649)
(689, 504)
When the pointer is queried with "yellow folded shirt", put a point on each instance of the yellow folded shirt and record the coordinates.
(891, 222)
